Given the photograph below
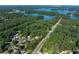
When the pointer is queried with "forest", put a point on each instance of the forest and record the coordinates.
(21, 33)
(64, 38)
(17, 23)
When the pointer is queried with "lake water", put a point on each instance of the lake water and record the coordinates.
(45, 17)
(60, 11)
(64, 12)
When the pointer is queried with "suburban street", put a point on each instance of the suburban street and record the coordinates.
(40, 45)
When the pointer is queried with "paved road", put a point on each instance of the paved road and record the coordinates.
(40, 45)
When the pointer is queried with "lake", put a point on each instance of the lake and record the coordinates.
(64, 12)
(45, 17)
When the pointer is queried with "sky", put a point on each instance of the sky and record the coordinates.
(39, 2)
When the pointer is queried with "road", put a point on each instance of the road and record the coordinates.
(40, 45)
